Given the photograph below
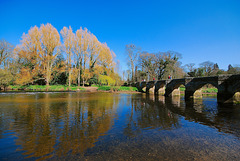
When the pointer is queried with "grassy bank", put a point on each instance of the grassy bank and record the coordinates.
(72, 88)
(117, 88)
(45, 88)
(204, 90)
(99, 88)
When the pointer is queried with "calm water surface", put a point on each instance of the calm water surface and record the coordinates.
(112, 126)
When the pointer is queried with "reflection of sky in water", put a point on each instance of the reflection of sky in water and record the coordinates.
(100, 126)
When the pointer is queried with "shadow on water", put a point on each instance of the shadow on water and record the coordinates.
(100, 126)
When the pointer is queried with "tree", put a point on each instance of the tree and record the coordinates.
(59, 70)
(166, 63)
(5, 78)
(208, 67)
(148, 64)
(50, 40)
(233, 70)
(28, 56)
(5, 52)
(86, 56)
(68, 43)
(79, 52)
(132, 52)
(190, 67)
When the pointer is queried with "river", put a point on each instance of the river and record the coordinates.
(116, 126)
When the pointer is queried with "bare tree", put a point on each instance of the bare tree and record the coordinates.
(5, 52)
(132, 52)
(208, 67)
(190, 67)
(166, 63)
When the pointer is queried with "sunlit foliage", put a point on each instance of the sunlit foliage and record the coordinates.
(83, 57)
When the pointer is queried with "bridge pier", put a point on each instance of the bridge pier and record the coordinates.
(236, 97)
(151, 90)
(150, 87)
(175, 92)
(228, 97)
(160, 87)
(160, 91)
(228, 87)
(191, 94)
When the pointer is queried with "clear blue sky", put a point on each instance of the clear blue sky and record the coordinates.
(200, 30)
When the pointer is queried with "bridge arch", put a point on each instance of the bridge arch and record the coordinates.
(236, 87)
(197, 93)
(143, 86)
(150, 87)
(172, 88)
(160, 87)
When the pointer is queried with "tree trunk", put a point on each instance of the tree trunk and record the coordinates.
(79, 72)
(69, 78)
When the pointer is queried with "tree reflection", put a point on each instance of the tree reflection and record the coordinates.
(58, 124)
(72, 123)
(148, 112)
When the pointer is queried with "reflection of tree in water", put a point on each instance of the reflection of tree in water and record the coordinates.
(146, 113)
(73, 123)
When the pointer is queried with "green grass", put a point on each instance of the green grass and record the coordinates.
(46, 88)
(104, 88)
(122, 88)
(182, 88)
(204, 90)
(117, 88)
(210, 90)
(94, 85)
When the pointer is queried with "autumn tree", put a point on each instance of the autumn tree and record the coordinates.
(68, 44)
(79, 52)
(28, 56)
(37, 52)
(50, 40)
(5, 78)
(86, 57)
(85, 54)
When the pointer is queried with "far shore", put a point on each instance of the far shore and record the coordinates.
(109, 89)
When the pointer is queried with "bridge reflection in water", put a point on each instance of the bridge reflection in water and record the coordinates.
(228, 87)
(102, 126)
(226, 118)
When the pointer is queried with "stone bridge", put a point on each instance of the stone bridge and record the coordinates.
(228, 87)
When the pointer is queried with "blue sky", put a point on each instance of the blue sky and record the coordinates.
(201, 30)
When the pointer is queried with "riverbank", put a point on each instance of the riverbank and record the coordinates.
(64, 88)
(93, 88)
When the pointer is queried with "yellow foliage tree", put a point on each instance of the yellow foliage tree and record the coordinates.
(50, 40)
(68, 44)
(106, 80)
(24, 77)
